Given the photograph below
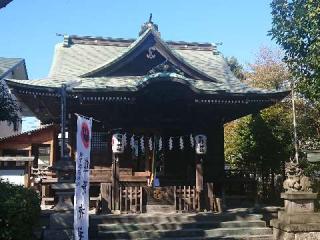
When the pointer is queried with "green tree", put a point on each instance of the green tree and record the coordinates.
(247, 138)
(261, 143)
(9, 109)
(295, 26)
(236, 67)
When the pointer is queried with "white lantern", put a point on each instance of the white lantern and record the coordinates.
(201, 144)
(117, 143)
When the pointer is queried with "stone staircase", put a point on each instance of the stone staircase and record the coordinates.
(229, 225)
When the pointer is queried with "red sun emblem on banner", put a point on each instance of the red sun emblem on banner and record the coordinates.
(85, 134)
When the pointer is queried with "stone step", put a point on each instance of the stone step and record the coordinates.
(184, 233)
(175, 217)
(246, 237)
(238, 231)
(176, 226)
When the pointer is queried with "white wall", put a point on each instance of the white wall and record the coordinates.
(13, 176)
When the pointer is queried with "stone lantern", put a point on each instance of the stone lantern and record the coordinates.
(298, 220)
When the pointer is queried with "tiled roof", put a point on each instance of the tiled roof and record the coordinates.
(8, 63)
(81, 57)
(134, 83)
(77, 57)
(41, 128)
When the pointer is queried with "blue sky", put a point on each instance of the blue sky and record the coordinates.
(28, 28)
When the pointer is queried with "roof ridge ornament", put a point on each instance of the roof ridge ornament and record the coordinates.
(165, 67)
(149, 25)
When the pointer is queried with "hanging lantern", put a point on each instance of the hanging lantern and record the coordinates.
(191, 141)
(160, 143)
(142, 144)
(181, 143)
(170, 143)
(150, 144)
(117, 143)
(201, 144)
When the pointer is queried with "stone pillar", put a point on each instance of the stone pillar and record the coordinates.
(64, 188)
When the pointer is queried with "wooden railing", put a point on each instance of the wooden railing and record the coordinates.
(131, 199)
(186, 198)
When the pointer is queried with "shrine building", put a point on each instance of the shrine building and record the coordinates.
(162, 96)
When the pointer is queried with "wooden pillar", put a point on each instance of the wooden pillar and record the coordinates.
(199, 180)
(199, 174)
(214, 162)
(115, 182)
(53, 147)
(34, 152)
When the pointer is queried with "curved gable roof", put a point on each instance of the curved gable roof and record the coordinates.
(85, 56)
(149, 39)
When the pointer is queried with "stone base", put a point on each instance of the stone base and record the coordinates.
(63, 234)
(299, 202)
(60, 227)
(298, 221)
(160, 208)
(298, 218)
(306, 231)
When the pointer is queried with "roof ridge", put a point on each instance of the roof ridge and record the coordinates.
(125, 42)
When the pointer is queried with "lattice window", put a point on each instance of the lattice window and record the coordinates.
(99, 141)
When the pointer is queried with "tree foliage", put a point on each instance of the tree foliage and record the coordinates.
(248, 140)
(262, 143)
(236, 67)
(295, 26)
(9, 109)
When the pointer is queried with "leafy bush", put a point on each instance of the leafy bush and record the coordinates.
(19, 211)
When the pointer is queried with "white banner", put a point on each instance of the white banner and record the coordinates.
(81, 196)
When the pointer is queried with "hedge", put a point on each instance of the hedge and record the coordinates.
(19, 211)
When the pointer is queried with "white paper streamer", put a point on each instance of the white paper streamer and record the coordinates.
(125, 140)
(142, 144)
(150, 144)
(181, 143)
(132, 142)
(160, 144)
(191, 141)
(170, 143)
(136, 147)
